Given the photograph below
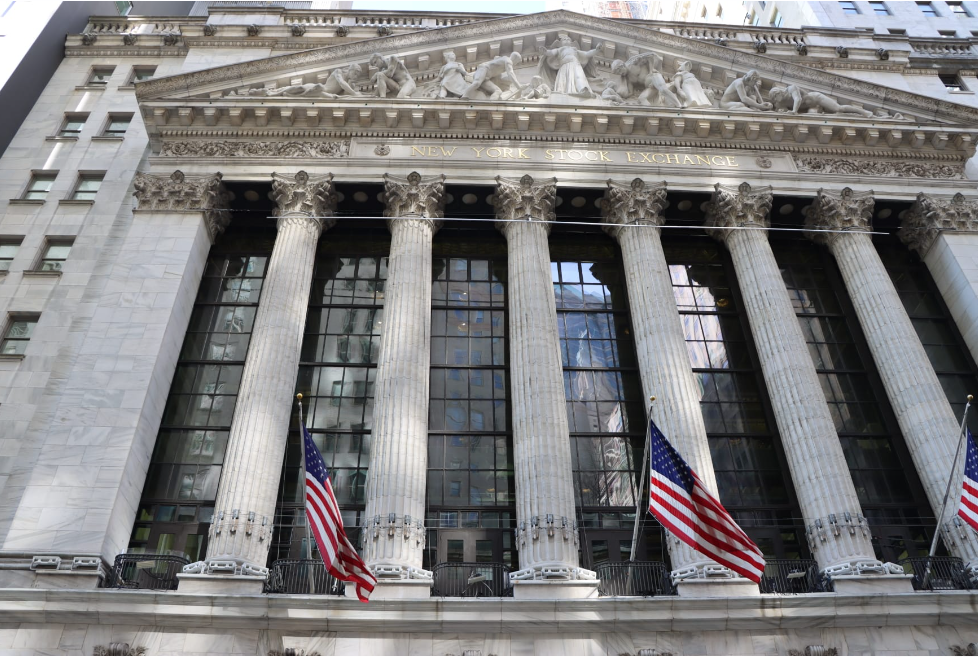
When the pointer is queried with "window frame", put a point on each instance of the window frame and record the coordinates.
(5, 262)
(116, 116)
(849, 8)
(69, 118)
(8, 325)
(957, 85)
(43, 259)
(133, 74)
(958, 8)
(948, 34)
(877, 5)
(84, 176)
(927, 8)
(107, 72)
(37, 175)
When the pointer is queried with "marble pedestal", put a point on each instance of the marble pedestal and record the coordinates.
(857, 585)
(396, 589)
(536, 589)
(716, 588)
(220, 584)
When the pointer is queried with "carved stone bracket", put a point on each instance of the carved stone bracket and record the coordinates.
(521, 199)
(304, 195)
(931, 215)
(738, 207)
(845, 211)
(633, 203)
(180, 193)
(210, 30)
(414, 196)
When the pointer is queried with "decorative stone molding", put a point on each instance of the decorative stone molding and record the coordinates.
(342, 31)
(801, 49)
(305, 196)
(738, 207)
(635, 203)
(883, 54)
(311, 149)
(522, 199)
(129, 39)
(89, 39)
(842, 51)
(253, 30)
(382, 150)
(119, 649)
(210, 30)
(297, 29)
(414, 196)
(845, 211)
(931, 215)
(847, 167)
(180, 193)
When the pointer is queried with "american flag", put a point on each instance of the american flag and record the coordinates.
(323, 516)
(969, 492)
(678, 500)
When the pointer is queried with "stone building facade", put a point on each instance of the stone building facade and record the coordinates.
(478, 245)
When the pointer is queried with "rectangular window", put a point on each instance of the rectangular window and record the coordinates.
(927, 8)
(755, 18)
(55, 253)
(897, 31)
(72, 125)
(17, 335)
(87, 187)
(778, 19)
(958, 8)
(140, 73)
(948, 34)
(879, 8)
(100, 75)
(849, 8)
(8, 249)
(116, 125)
(951, 81)
(39, 186)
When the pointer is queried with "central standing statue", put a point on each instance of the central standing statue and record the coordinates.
(566, 67)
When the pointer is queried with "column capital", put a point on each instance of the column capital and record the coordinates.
(737, 207)
(414, 196)
(181, 193)
(843, 211)
(931, 215)
(313, 197)
(521, 199)
(633, 203)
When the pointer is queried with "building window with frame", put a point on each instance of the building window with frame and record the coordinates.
(777, 20)
(18, 333)
(8, 250)
(958, 9)
(849, 8)
(140, 73)
(100, 75)
(948, 34)
(116, 125)
(927, 8)
(87, 186)
(880, 8)
(951, 81)
(55, 253)
(73, 124)
(39, 186)
(897, 31)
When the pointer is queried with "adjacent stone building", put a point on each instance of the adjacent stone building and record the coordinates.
(477, 245)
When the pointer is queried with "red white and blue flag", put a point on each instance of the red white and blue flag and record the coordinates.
(323, 516)
(680, 501)
(969, 492)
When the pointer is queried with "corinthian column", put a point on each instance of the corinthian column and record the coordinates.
(837, 531)
(546, 533)
(239, 537)
(944, 231)
(926, 420)
(395, 532)
(633, 214)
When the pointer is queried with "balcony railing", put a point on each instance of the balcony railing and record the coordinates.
(151, 572)
(946, 574)
(302, 576)
(639, 578)
(792, 576)
(471, 580)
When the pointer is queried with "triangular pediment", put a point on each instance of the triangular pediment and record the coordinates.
(308, 77)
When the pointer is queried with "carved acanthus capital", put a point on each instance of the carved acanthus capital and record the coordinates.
(181, 193)
(302, 195)
(738, 207)
(521, 199)
(633, 203)
(845, 211)
(414, 196)
(931, 215)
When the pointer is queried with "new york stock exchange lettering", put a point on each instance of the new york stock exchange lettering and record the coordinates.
(574, 155)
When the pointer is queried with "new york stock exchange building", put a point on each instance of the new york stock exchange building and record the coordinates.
(477, 246)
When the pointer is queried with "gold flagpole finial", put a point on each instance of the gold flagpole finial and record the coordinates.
(299, 396)
(970, 397)
(652, 398)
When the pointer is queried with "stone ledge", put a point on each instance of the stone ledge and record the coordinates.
(107, 138)
(11, 357)
(43, 273)
(75, 201)
(26, 201)
(91, 87)
(60, 138)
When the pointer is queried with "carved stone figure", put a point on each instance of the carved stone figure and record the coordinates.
(610, 93)
(566, 68)
(644, 72)
(795, 100)
(745, 93)
(489, 77)
(688, 87)
(336, 85)
(452, 79)
(536, 89)
(392, 76)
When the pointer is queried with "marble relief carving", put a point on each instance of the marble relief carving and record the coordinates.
(566, 67)
(311, 149)
(392, 76)
(842, 166)
(931, 215)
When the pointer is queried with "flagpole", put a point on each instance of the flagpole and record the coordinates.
(947, 490)
(641, 487)
(302, 488)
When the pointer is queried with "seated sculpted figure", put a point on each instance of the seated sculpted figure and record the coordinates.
(793, 99)
(745, 93)
(688, 87)
(642, 74)
(489, 77)
(611, 93)
(336, 85)
(452, 80)
(536, 89)
(392, 76)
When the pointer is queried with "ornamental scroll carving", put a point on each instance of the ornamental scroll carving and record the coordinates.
(520, 199)
(303, 195)
(931, 215)
(180, 193)
(312, 149)
(878, 168)
(414, 196)
(847, 210)
(633, 203)
(734, 207)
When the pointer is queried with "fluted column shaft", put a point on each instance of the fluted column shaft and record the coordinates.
(837, 531)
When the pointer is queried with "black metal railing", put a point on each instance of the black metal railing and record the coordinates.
(946, 573)
(152, 572)
(471, 580)
(302, 576)
(792, 576)
(639, 578)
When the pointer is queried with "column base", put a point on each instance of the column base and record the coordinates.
(220, 584)
(868, 584)
(542, 589)
(717, 588)
(396, 589)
